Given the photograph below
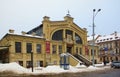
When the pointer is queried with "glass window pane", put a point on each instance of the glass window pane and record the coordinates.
(29, 47)
(58, 35)
(18, 47)
(38, 48)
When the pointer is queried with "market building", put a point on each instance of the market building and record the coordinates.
(47, 41)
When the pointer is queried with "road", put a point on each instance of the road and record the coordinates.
(111, 73)
(103, 73)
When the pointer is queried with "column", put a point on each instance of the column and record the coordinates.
(64, 41)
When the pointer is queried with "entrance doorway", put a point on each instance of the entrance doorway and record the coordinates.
(69, 49)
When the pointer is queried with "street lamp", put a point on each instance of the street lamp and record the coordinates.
(32, 60)
(94, 15)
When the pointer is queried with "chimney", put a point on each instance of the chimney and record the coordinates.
(33, 33)
(85, 29)
(115, 33)
(23, 33)
(11, 31)
(46, 18)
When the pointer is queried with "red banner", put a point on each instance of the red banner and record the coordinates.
(86, 50)
(47, 47)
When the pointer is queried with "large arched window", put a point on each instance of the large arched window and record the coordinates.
(58, 35)
(78, 39)
(69, 32)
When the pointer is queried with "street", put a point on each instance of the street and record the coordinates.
(111, 73)
(103, 73)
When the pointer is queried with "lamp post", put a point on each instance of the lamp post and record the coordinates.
(93, 26)
(32, 60)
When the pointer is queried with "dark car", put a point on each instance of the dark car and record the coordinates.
(115, 64)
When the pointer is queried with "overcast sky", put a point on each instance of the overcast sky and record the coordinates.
(23, 15)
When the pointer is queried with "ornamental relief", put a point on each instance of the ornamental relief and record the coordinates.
(58, 25)
(69, 39)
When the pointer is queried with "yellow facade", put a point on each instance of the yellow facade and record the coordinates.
(70, 34)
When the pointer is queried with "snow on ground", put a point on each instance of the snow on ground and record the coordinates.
(80, 66)
(97, 65)
(102, 64)
(93, 68)
(13, 67)
(53, 69)
(16, 68)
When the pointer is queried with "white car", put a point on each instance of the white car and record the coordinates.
(115, 64)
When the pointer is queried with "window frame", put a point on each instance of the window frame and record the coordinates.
(38, 48)
(28, 47)
(18, 47)
(54, 49)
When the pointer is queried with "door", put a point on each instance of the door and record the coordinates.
(69, 49)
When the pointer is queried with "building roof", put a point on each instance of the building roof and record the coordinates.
(27, 35)
(111, 37)
(24, 35)
(34, 29)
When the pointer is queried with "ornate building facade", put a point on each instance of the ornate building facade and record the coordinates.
(47, 41)
(109, 47)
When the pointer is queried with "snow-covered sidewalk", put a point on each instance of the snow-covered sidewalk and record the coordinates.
(16, 68)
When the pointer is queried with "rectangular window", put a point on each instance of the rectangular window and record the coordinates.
(40, 63)
(116, 51)
(80, 51)
(110, 46)
(20, 63)
(28, 64)
(54, 47)
(18, 47)
(100, 59)
(29, 47)
(77, 50)
(60, 49)
(95, 53)
(116, 44)
(91, 52)
(38, 48)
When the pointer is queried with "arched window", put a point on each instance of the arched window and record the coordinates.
(58, 35)
(69, 32)
(78, 39)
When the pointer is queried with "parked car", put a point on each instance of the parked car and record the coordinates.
(115, 64)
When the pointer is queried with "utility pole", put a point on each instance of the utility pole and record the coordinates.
(93, 30)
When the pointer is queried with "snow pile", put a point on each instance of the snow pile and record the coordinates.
(13, 67)
(53, 69)
(102, 64)
(16, 68)
(80, 66)
(73, 69)
(93, 68)
(57, 69)
(98, 65)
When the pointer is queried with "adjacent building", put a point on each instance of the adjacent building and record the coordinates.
(109, 47)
